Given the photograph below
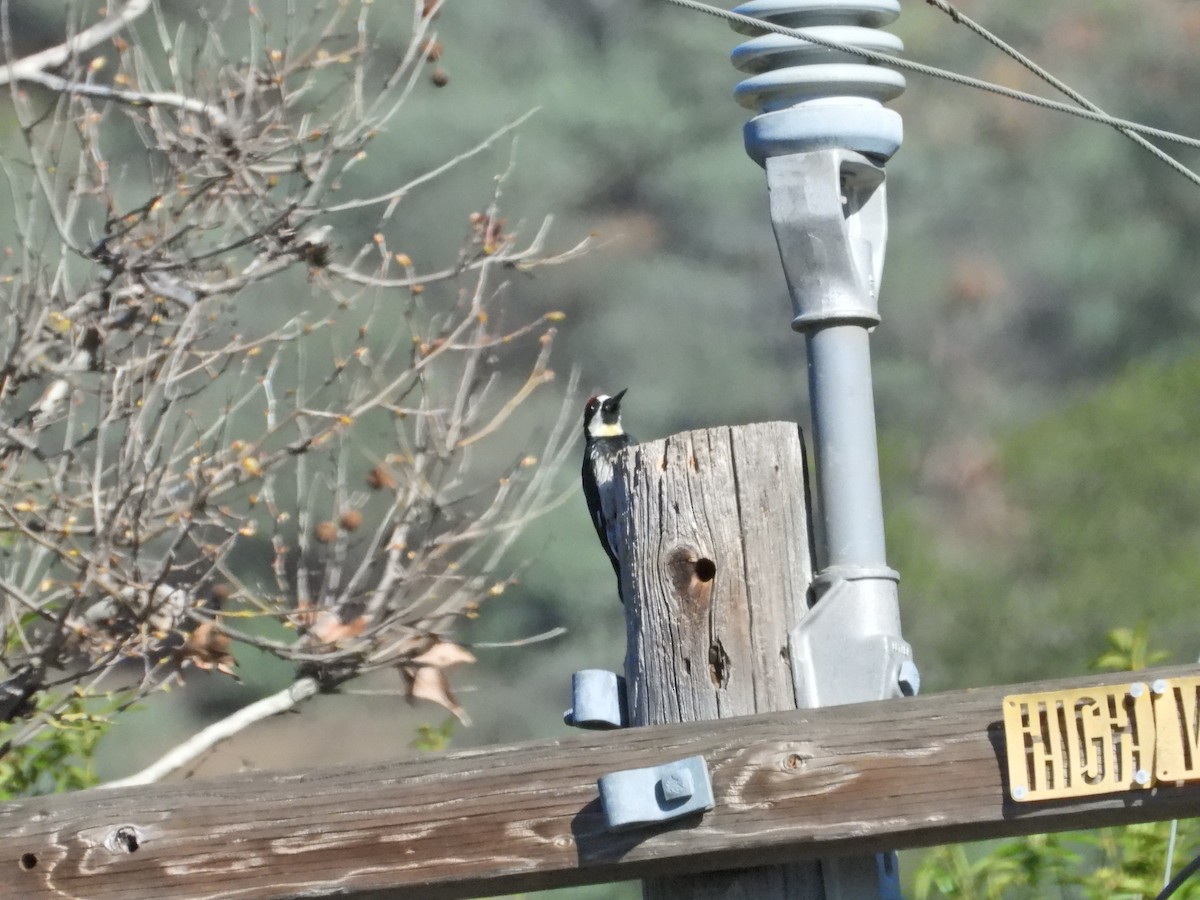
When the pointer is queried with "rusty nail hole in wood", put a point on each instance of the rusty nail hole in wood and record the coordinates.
(706, 569)
(793, 761)
(125, 838)
(28, 861)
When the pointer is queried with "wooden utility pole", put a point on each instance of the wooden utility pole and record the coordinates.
(716, 564)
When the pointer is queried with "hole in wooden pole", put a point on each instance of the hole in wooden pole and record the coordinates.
(718, 664)
(123, 839)
(706, 569)
(28, 861)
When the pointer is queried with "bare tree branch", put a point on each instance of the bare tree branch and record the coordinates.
(208, 738)
(190, 466)
(29, 67)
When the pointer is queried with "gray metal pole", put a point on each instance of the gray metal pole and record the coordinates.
(823, 135)
(843, 417)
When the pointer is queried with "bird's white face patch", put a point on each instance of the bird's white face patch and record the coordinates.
(597, 425)
(599, 428)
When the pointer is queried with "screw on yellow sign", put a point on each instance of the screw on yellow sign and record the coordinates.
(1102, 740)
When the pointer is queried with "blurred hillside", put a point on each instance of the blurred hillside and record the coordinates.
(1036, 369)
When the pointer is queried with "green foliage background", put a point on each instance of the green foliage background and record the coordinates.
(1036, 371)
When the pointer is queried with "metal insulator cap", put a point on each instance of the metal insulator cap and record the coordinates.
(811, 97)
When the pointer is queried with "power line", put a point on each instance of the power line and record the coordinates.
(1089, 112)
(1008, 50)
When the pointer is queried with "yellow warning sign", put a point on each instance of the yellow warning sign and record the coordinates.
(1177, 716)
(1079, 742)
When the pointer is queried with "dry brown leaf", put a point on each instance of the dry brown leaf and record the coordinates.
(443, 655)
(430, 683)
(425, 675)
(328, 627)
(207, 648)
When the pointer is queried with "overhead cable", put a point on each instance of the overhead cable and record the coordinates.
(1008, 50)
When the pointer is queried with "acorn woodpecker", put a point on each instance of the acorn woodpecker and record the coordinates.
(604, 438)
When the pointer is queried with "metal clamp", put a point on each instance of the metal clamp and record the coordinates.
(597, 700)
(637, 797)
(829, 211)
(848, 648)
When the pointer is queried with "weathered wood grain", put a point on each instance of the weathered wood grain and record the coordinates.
(716, 568)
(789, 786)
(717, 565)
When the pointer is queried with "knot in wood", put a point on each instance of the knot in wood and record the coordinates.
(718, 664)
(123, 839)
(691, 573)
(794, 761)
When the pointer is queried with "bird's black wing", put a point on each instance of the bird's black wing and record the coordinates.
(591, 493)
(597, 470)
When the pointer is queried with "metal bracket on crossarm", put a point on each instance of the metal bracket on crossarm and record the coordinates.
(848, 647)
(597, 700)
(637, 797)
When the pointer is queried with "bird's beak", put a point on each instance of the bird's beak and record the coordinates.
(616, 400)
